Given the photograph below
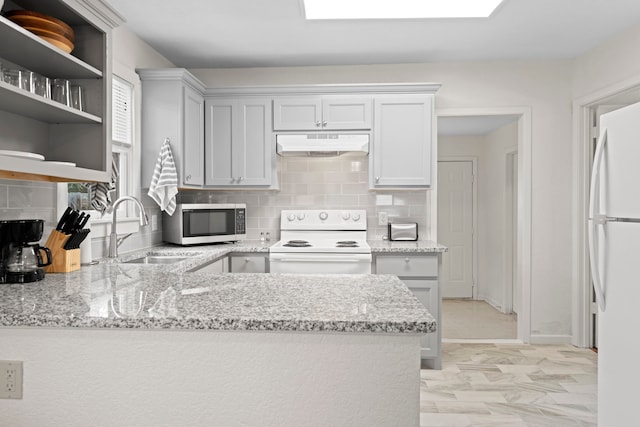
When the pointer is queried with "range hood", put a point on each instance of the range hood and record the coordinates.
(322, 144)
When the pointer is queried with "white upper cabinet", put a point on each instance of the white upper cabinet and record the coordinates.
(193, 143)
(173, 107)
(331, 112)
(239, 147)
(401, 152)
(35, 124)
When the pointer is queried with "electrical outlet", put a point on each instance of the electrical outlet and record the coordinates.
(383, 218)
(154, 222)
(10, 379)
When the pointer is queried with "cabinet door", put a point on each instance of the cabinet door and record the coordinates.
(297, 113)
(218, 266)
(219, 133)
(426, 291)
(346, 112)
(238, 143)
(252, 147)
(249, 264)
(193, 137)
(402, 133)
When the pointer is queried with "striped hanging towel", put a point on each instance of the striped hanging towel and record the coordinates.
(164, 183)
(100, 197)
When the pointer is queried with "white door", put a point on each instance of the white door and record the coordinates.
(455, 227)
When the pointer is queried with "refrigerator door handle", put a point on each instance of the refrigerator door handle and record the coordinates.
(596, 219)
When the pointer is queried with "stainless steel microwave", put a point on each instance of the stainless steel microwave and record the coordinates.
(198, 223)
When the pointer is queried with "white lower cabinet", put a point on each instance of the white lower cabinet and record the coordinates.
(427, 293)
(221, 265)
(248, 263)
(419, 271)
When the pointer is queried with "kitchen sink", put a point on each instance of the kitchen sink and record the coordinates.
(157, 259)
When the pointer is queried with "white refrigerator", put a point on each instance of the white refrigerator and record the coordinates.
(614, 246)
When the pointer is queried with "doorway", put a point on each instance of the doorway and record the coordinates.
(478, 219)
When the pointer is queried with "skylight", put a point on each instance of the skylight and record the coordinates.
(398, 9)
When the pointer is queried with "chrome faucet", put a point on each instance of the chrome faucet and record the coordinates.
(114, 241)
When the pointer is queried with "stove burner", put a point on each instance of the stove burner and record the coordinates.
(297, 244)
(347, 244)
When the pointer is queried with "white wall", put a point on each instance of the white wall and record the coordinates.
(490, 151)
(492, 198)
(609, 64)
(543, 86)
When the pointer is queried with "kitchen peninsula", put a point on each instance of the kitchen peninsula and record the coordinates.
(212, 349)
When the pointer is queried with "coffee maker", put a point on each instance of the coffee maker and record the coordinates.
(20, 260)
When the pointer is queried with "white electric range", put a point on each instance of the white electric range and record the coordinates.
(322, 241)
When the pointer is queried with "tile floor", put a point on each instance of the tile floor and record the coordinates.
(510, 385)
(470, 319)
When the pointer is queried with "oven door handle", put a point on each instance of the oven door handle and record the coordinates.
(341, 259)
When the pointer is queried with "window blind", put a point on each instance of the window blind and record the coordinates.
(122, 111)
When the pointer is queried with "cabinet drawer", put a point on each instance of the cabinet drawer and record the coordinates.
(248, 264)
(408, 266)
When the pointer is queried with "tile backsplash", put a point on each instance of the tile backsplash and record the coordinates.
(305, 183)
(37, 200)
(29, 200)
(317, 183)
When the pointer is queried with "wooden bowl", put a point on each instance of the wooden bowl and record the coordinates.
(26, 18)
(55, 39)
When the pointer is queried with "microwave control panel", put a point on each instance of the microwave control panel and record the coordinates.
(240, 221)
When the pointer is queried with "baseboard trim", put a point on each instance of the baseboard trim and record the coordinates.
(550, 339)
(481, 341)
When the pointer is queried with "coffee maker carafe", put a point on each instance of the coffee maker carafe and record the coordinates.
(20, 260)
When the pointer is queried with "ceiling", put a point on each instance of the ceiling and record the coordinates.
(273, 33)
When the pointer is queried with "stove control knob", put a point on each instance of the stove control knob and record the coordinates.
(346, 215)
(323, 215)
(356, 217)
(291, 217)
(301, 216)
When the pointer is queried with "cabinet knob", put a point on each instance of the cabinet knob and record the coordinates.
(239, 180)
(247, 260)
(407, 260)
(188, 178)
(324, 124)
(377, 179)
(318, 124)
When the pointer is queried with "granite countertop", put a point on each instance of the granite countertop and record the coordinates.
(116, 295)
(421, 246)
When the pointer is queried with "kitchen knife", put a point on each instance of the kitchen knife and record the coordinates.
(70, 222)
(76, 226)
(63, 218)
(85, 220)
(76, 238)
(81, 235)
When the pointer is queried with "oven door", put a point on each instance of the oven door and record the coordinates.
(320, 263)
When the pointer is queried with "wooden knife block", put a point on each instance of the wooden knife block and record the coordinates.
(63, 261)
